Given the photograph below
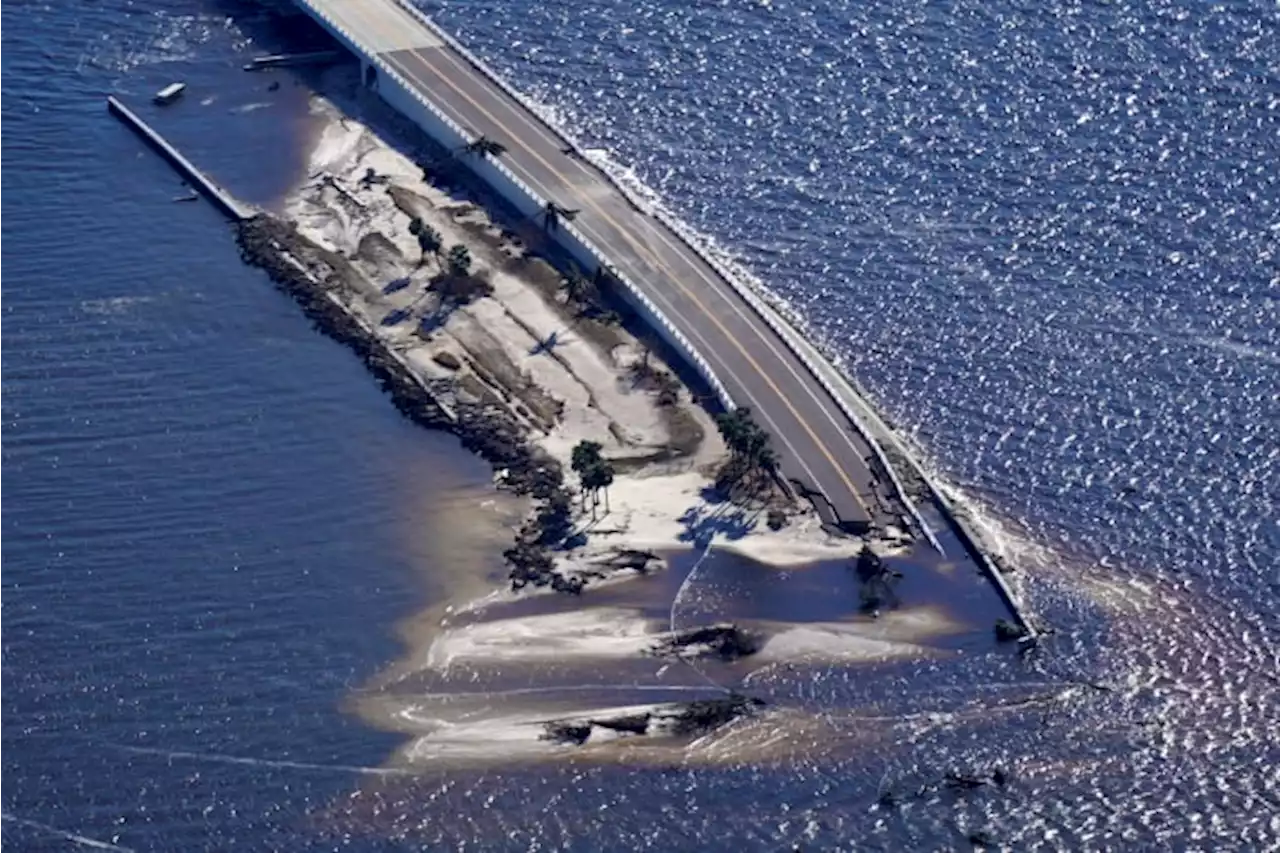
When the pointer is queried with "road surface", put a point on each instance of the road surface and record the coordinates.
(817, 446)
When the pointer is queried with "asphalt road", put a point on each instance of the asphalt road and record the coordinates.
(816, 444)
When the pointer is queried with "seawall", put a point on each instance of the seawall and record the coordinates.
(285, 255)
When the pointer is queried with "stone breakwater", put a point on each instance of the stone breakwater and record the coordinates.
(315, 277)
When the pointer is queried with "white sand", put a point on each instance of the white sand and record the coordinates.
(898, 634)
(499, 738)
(602, 633)
(346, 150)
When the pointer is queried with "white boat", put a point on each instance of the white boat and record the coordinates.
(170, 93)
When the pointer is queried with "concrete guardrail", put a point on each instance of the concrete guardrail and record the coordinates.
(851, 399)
(520, 195)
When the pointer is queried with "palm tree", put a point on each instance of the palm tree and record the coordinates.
(585, 454)
(748, 444)
(606, 480)
(576, 286)
(641, 367)
(598, 477)
(585, 458)
(484, 146)
(552, 213)
(428, 240)
(735, 429)
(755, 444)
(459, 260)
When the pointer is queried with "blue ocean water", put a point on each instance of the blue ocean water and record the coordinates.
(1044, 236)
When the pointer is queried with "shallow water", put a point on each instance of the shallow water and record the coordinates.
(1043, 236)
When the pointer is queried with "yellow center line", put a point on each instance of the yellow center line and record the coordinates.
(675, 280)
(543, 131)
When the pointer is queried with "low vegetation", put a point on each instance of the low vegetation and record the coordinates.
(646, 375)
(429, 240)
(583, 295)
(455, 283)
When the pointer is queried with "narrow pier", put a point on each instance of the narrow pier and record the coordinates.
(198, 179)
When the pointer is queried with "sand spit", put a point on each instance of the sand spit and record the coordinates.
(523, 736)
(900, 635)
(562, 378)
(603, 633)
(522, 374)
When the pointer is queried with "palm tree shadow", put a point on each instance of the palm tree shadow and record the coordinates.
(548, 344)
(579, 536)
(436, 319)
(396, 316)
(727, 520)
(713, 495)
(396, 285)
